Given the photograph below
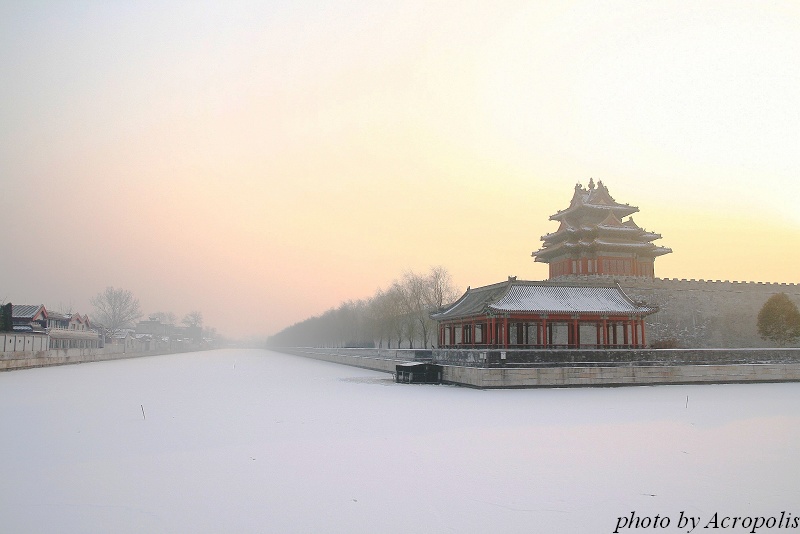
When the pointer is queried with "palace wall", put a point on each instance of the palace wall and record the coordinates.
(698, 313)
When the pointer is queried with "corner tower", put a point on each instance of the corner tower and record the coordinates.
(592, 238)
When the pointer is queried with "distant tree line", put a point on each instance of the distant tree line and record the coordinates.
(395, 317)
(116, 309)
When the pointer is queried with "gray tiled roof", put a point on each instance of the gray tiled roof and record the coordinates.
(560, 299)
(539, 297)
(473, 302)
(24, 311)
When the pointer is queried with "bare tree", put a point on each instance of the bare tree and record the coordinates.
(381, 317)
(115, 309)
(441, 291)
(421, 295)
(193, 319)
(412, 290)
(401, 312)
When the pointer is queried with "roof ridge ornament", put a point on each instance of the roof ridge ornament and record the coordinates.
(578, 196)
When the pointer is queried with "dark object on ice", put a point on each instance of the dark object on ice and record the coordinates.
(418, 373)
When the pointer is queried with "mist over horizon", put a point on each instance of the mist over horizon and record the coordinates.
(265, 162)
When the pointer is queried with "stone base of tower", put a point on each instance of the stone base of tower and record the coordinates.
(603, 265)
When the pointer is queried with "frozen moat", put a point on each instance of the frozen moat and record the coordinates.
(256, 441)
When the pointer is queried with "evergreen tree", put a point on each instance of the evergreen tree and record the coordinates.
(6, 322)
(779, 320)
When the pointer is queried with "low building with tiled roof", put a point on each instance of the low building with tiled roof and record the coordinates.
(529, 314)
(29, 317)
(72, 331)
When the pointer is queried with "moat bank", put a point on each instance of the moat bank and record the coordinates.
(489, 369)
(10, 361)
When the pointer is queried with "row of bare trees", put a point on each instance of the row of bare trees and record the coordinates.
(117, 309)
(398, 316)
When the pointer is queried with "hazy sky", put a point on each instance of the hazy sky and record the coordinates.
(264, 161)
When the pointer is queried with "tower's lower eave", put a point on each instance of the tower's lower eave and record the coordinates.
(597, 247)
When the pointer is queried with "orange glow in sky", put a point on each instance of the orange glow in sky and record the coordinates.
(264, 161)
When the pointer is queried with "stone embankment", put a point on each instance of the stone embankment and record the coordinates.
(384, 360)
(45, 358)
(570, 368)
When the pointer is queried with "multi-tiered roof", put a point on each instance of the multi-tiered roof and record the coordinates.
(592, 238)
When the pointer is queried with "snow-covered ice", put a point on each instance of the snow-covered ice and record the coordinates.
(256, 441)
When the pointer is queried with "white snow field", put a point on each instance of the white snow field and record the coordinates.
(246, 441)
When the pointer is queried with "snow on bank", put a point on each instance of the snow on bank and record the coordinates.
(256, 441)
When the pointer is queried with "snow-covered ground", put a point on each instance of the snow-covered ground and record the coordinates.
(256, 441)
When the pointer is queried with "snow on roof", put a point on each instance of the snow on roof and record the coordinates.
(473, 302)
(542, 297)
(60, 333)
(566, 299)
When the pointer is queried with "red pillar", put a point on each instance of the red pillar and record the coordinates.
(627, 324)
(576, 333)
(605, 331)
(642, 341)
(544, 332)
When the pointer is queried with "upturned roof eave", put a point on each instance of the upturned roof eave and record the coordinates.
(623, 209)
(452, 310)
